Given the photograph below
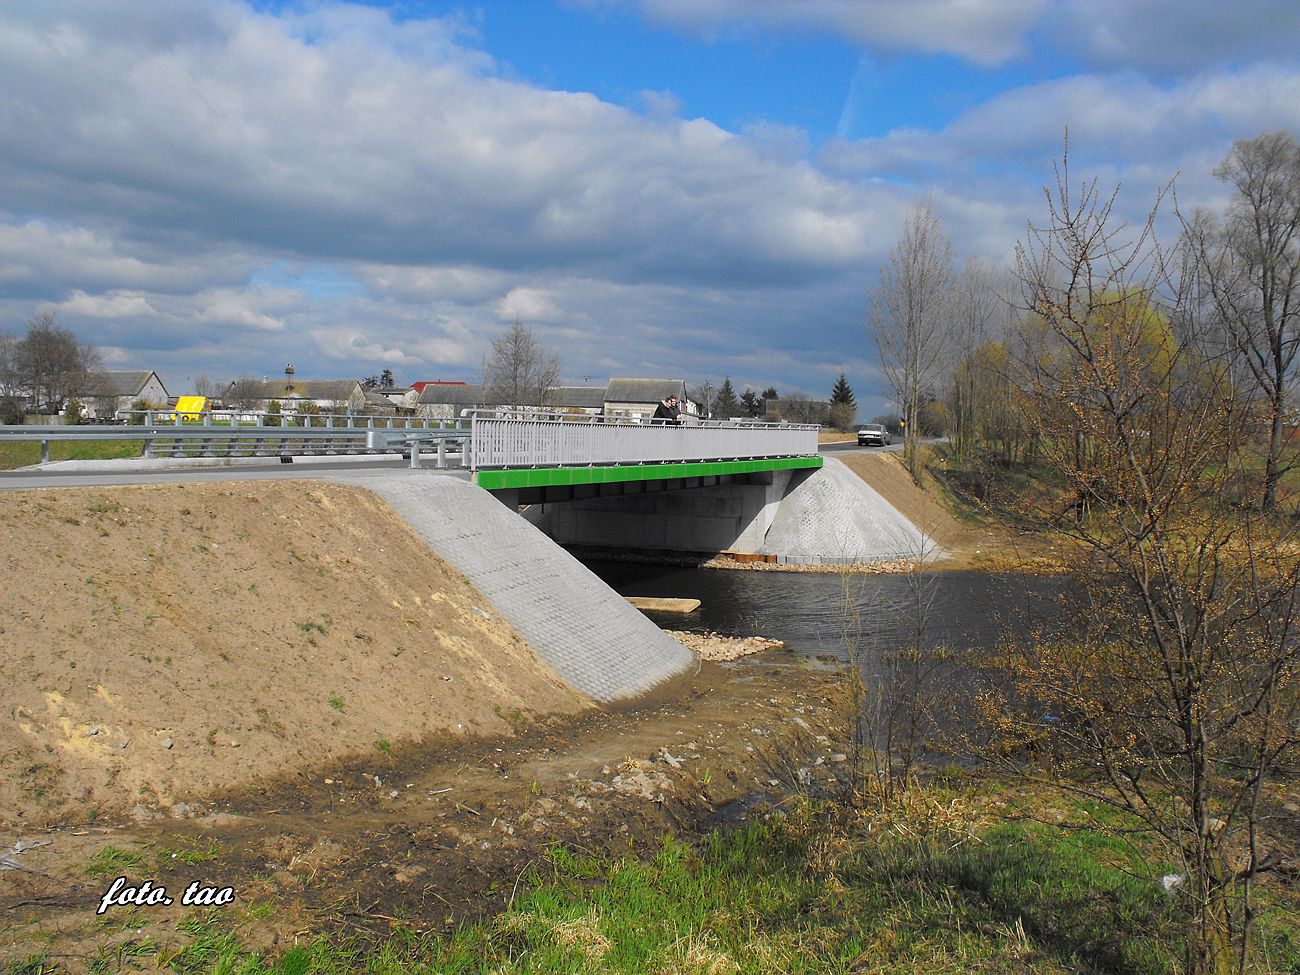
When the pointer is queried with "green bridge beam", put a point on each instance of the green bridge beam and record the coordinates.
(535, 477)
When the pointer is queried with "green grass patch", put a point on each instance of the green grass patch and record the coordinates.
(112, 862)
(816, 891)
(190, 854)
(25, 453)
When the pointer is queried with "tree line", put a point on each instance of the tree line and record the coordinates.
(963, 345)
(1150, 384)
(42, 369)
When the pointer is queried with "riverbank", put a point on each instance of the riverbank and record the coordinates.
(429, 838)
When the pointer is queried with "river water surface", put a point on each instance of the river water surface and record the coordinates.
(811, 612)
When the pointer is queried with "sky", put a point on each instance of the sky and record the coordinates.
(664, 188)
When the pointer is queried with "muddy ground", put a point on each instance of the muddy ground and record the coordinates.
(433, 836)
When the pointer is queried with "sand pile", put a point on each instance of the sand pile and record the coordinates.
(165, 642)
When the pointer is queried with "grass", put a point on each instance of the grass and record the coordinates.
(25, 453)
(819, 890)
(111, 862)
(190, 854)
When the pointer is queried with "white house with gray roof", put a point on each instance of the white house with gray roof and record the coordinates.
(104, 393)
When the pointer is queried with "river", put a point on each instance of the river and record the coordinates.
(811, 612)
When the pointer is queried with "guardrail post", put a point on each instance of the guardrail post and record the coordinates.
(442, 452)
(415, 455)
(177, 419)
(147, 450)
(45, 451)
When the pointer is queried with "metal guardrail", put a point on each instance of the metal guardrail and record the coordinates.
(486, 439)
(508, 439)
(199, 439)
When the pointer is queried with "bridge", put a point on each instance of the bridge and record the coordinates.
(504, 450)
(586, 480)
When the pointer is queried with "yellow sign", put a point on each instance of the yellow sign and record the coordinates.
(190, 407)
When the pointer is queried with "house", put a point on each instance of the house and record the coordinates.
(444, 401)
(639, 397)
(378, 404)
(319, 395)
(404, 399)
(588, 400)
(104, 393)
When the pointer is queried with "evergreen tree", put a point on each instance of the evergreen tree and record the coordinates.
(726, 405)
(750, 403)
(842, 394)
(770, 393)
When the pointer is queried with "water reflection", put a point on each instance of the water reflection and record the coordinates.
(808, 610)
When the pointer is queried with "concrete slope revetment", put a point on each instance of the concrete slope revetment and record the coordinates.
(833, 517)
(584, 631)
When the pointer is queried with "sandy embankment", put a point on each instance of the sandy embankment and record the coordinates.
(165, 642)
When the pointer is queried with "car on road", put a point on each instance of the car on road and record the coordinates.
(873, 433)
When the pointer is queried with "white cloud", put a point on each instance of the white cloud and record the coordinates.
(207, 187)
(1150, 35)
(1154, 36)
(1120, 121)
(115, 304)
(984, 31)
(344, 148)
(532, 304)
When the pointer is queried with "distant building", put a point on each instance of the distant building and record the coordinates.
(444, 401)
(104, 393)
(589, 400)
(639, 397)
(324, 395)
(622, 397)
(403, 399)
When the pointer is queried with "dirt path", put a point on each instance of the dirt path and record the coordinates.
(432, 836)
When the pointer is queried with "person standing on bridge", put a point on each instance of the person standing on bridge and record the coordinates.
(667, 412)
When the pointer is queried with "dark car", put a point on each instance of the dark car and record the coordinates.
(873, 433)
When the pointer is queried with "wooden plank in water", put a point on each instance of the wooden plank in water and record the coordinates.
(659, 604)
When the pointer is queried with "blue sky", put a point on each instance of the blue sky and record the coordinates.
(685, 188)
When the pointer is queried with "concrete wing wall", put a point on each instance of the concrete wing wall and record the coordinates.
(588, 634)
(833, 516)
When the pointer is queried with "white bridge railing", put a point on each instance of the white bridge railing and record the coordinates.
(512, 439)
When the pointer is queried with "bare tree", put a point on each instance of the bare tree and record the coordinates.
(207, 387)
(976, 309)
(9, 385)
(243, 393)
(1251, 268)
(51, 364)
(908, 318)
(1170, 692)
(518, 370)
